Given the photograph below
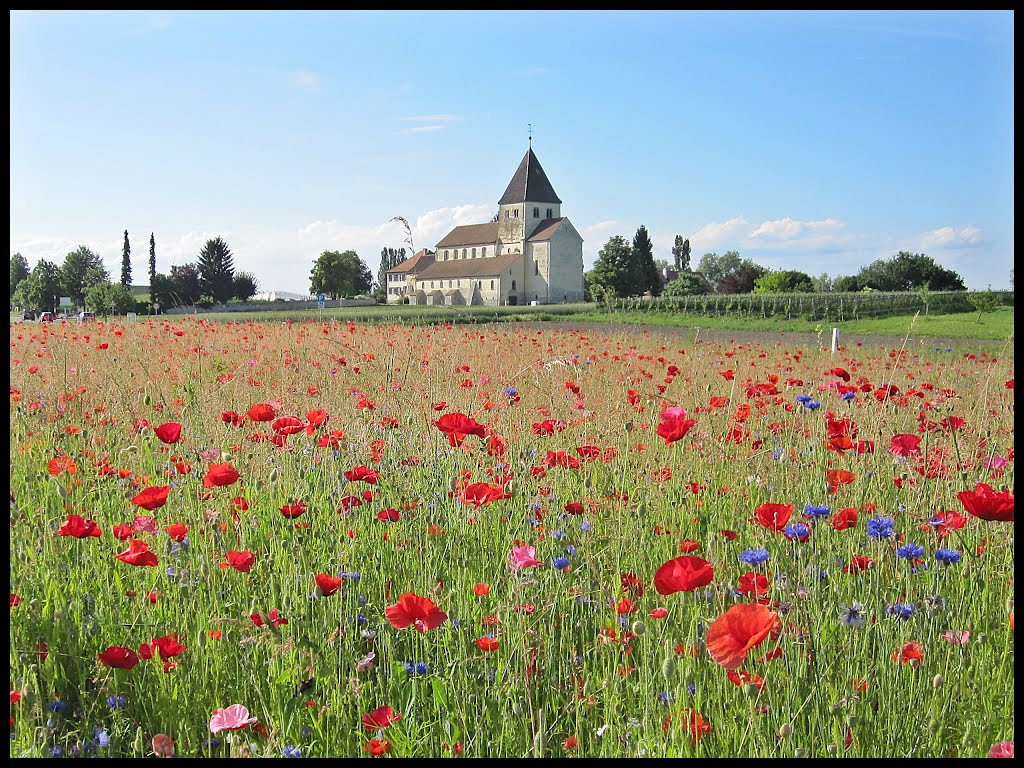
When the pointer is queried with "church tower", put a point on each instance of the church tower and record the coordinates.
(529, 199)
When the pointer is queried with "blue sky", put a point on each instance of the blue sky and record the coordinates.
(818, 141)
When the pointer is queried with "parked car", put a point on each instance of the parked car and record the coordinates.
(86, 316)
(46, 317)
(28, 314)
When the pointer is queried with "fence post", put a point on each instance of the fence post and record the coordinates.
(835, 340)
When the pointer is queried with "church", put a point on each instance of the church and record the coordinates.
(530, 254)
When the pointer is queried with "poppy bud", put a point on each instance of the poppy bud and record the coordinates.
(273, 475)
(132, 448)
(668, 668)
(937, 681)
(147, 399)
(934, 725)
(750, 689)
(785, 731)
(799, 752)
(852, 719)
(638, 628)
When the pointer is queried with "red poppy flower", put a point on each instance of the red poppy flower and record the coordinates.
(118, 657)
(625, 606)
(262, 412)
(836, 477)
(240, 561)
(487, 643)
(61, 464)
(273, 618)
(163, 745)
(742, 677)
(381, 717)
(327, 584)
(123, 531)
(458, 425)
(658, 613)
(911, 653)
(288, 425)
(986, 504)
(674, 424)
(152, 498)
(479, 494)
(481, 590)
(291, 511)
(754, 584)
(362, 473)
(686, 546)
(693, 722)
(389, 515)
(220, 475)
(168, 646)
(168, 433)
(774, 517)
(377, 747)
(176, 531)
(574, 508)
(632, 584)
(858, 564)
(844, 518)
(420, 612)
(233, 418)
(905, 445)
(15, 600)
(741, 628)
(683, 574)
(946, 521)
(138, 554)
(79, 527)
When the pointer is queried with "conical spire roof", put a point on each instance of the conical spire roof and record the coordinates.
(529, 183)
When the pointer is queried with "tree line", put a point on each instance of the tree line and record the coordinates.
(84, 279)
(624, 269)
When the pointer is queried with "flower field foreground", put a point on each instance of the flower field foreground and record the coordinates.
(332, 540)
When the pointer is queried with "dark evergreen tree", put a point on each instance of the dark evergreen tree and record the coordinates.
(648, 277)
(126, 263)
(216, 270)
(152, 258)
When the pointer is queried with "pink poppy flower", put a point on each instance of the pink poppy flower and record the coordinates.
(1002, 749)
(956, 637)
(232, 718)
(523, 557)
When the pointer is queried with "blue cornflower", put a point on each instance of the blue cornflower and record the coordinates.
(422, 668)
(665, 697)
(797, 531)
(900, 610)
(848, 395)
(102, 738)
(56, 706)
(778, 453)
(354, 575)
(212, 743)
(57, 751)
(852, 615)
(511, 391)
(556, 535)
(691, 688)
(116, 702)
(754, 556)
(291, 751)
(560, 563)
(947, 556)
(910, 551)
(812, 405)
(570, 550)
(803, 399)
(361, 620)
(880, 527)
(812, 510)
(585, 526)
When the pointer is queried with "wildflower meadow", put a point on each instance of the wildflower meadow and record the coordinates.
(330, 539)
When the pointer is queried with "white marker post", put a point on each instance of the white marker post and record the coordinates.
(835, 340)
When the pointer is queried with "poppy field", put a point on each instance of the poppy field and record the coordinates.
(330, 539)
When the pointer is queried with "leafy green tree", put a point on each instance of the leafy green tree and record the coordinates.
(152, 257)
(340, 274)
(612, 266)
(216, 270)
(784, 281)
(848, 284)
(19, 271)
(81, 269)
(188, 284)
(126, 262)
(245, 285)
(687, 284)
(907, 272)
(389, 259)
(681, 252)
(109, 298)
(983, 301)
(823, 283)
(644, 268)
(41, 288)
(163, 292)
(729, 273)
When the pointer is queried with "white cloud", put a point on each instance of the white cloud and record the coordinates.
(792, 234)
(422, 129)
(951, 237)
(431, 118)
(719, 234)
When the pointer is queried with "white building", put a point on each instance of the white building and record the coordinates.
(530, 254)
